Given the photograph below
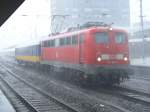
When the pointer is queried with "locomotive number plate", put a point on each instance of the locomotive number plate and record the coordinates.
(112, 57)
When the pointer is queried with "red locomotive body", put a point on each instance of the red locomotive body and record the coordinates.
(101, 53)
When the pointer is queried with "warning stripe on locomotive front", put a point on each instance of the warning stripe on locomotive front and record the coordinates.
(28, 58)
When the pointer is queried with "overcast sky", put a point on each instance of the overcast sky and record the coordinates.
(134, 5)
(32, 19)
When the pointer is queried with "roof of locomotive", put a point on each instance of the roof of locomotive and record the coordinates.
(83, 31)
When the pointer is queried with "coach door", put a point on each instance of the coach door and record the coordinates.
(81, 48)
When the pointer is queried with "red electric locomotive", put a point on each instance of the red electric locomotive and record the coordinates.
(101, 54)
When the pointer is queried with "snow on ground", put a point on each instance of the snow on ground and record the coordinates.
(141, 61)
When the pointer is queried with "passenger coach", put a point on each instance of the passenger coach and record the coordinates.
(28, 54)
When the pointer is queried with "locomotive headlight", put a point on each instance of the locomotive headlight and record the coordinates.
(125, 59)
(99, 59)
(110, 29)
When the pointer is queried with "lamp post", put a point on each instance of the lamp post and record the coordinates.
(142, 29)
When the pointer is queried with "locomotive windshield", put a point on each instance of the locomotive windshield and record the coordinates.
(120, 38)
(101, 37)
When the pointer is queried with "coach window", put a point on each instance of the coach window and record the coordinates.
(120, 38)
(68, 40)
(101, 37)
(74, 40)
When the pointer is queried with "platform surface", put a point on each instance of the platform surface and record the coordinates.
(5, 105)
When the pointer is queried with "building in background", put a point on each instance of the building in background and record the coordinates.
(70, 13)
(137, 33)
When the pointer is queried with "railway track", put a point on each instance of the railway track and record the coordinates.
(132, 95)
(114, 107)
(128, 94)
(19, 104)
(34, 99)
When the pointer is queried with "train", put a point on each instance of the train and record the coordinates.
(98, 54)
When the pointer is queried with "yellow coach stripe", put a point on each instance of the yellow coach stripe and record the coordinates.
(28, 58)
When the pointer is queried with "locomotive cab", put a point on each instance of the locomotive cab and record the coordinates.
(110, 47)
(92, 52)
(108, 54)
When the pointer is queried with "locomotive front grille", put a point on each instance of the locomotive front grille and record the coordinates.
(119, 56)
(105, 57)
(112, 56)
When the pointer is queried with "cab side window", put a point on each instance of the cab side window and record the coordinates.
(68, 40)
(57, 42)
(74, 40)
(62, 41)
(53, 43)
(120, 38)
(81, 38)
